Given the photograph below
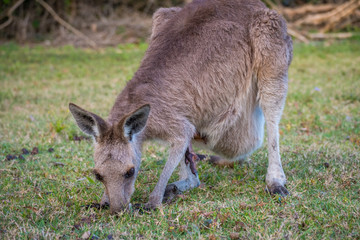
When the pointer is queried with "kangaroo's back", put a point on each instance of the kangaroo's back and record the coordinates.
(200, 59)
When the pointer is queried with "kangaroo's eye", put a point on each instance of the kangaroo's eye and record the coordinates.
(130, 173)
(98, 176)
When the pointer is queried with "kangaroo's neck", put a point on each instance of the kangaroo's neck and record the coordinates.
(140, 90)
(146, 87)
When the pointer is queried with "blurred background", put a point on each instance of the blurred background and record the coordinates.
(97, 23)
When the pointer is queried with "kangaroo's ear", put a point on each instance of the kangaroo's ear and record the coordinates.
(88, 122)
(160, 17)
(136, 121)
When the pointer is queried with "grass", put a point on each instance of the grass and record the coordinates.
(43, 195)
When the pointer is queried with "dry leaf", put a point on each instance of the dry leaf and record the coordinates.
(86, 235)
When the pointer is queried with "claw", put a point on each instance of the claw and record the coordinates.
(190, 158)
(280, 190)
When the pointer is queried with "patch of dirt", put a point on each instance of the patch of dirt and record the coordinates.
(35, 151)
(25, 151)
(10, 157)
(59, 164)
(77, 138)
(85, 220)
(96, 206)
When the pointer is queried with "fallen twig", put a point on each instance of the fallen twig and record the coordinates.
(325, 17)
(321, 36)
(340, 15)
(9, 14)
(297, 35)
(58, 164)
(292, 13)
(67, 25)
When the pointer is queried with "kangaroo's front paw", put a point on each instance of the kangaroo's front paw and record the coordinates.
(141, 208)
(151, 206)
(105, 205)
(105, 201)
(278, 189)
(154, 202)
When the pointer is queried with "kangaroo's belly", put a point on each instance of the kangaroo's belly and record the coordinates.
(235, 141)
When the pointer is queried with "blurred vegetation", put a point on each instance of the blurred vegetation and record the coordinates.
(107, 22)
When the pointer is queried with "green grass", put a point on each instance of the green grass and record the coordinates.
(320, 138)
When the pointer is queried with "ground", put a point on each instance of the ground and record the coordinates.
(44, 194)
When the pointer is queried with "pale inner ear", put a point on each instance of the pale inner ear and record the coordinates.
(136, 122)
(88, 122)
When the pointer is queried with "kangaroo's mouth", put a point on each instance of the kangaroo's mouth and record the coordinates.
(121, 209)
(105, 205)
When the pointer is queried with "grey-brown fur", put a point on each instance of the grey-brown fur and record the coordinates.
(216, 67)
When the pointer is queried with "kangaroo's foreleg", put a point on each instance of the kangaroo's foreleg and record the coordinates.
(189, 177)
(179, 145)
(176, 154)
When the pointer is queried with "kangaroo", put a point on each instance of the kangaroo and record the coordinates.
(217, 69)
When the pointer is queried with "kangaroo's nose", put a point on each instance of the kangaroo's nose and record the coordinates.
(119, 208)
(105, 205)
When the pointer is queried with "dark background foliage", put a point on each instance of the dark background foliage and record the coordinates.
(107, 22)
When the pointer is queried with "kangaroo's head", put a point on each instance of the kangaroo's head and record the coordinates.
(117, 152)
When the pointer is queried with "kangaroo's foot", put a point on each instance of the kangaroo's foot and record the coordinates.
(171, 191)
(179, 187)
(215, 160)
(221, 162)
(202, 157)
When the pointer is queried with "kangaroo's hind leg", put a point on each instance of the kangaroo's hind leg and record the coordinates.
(272, 56)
